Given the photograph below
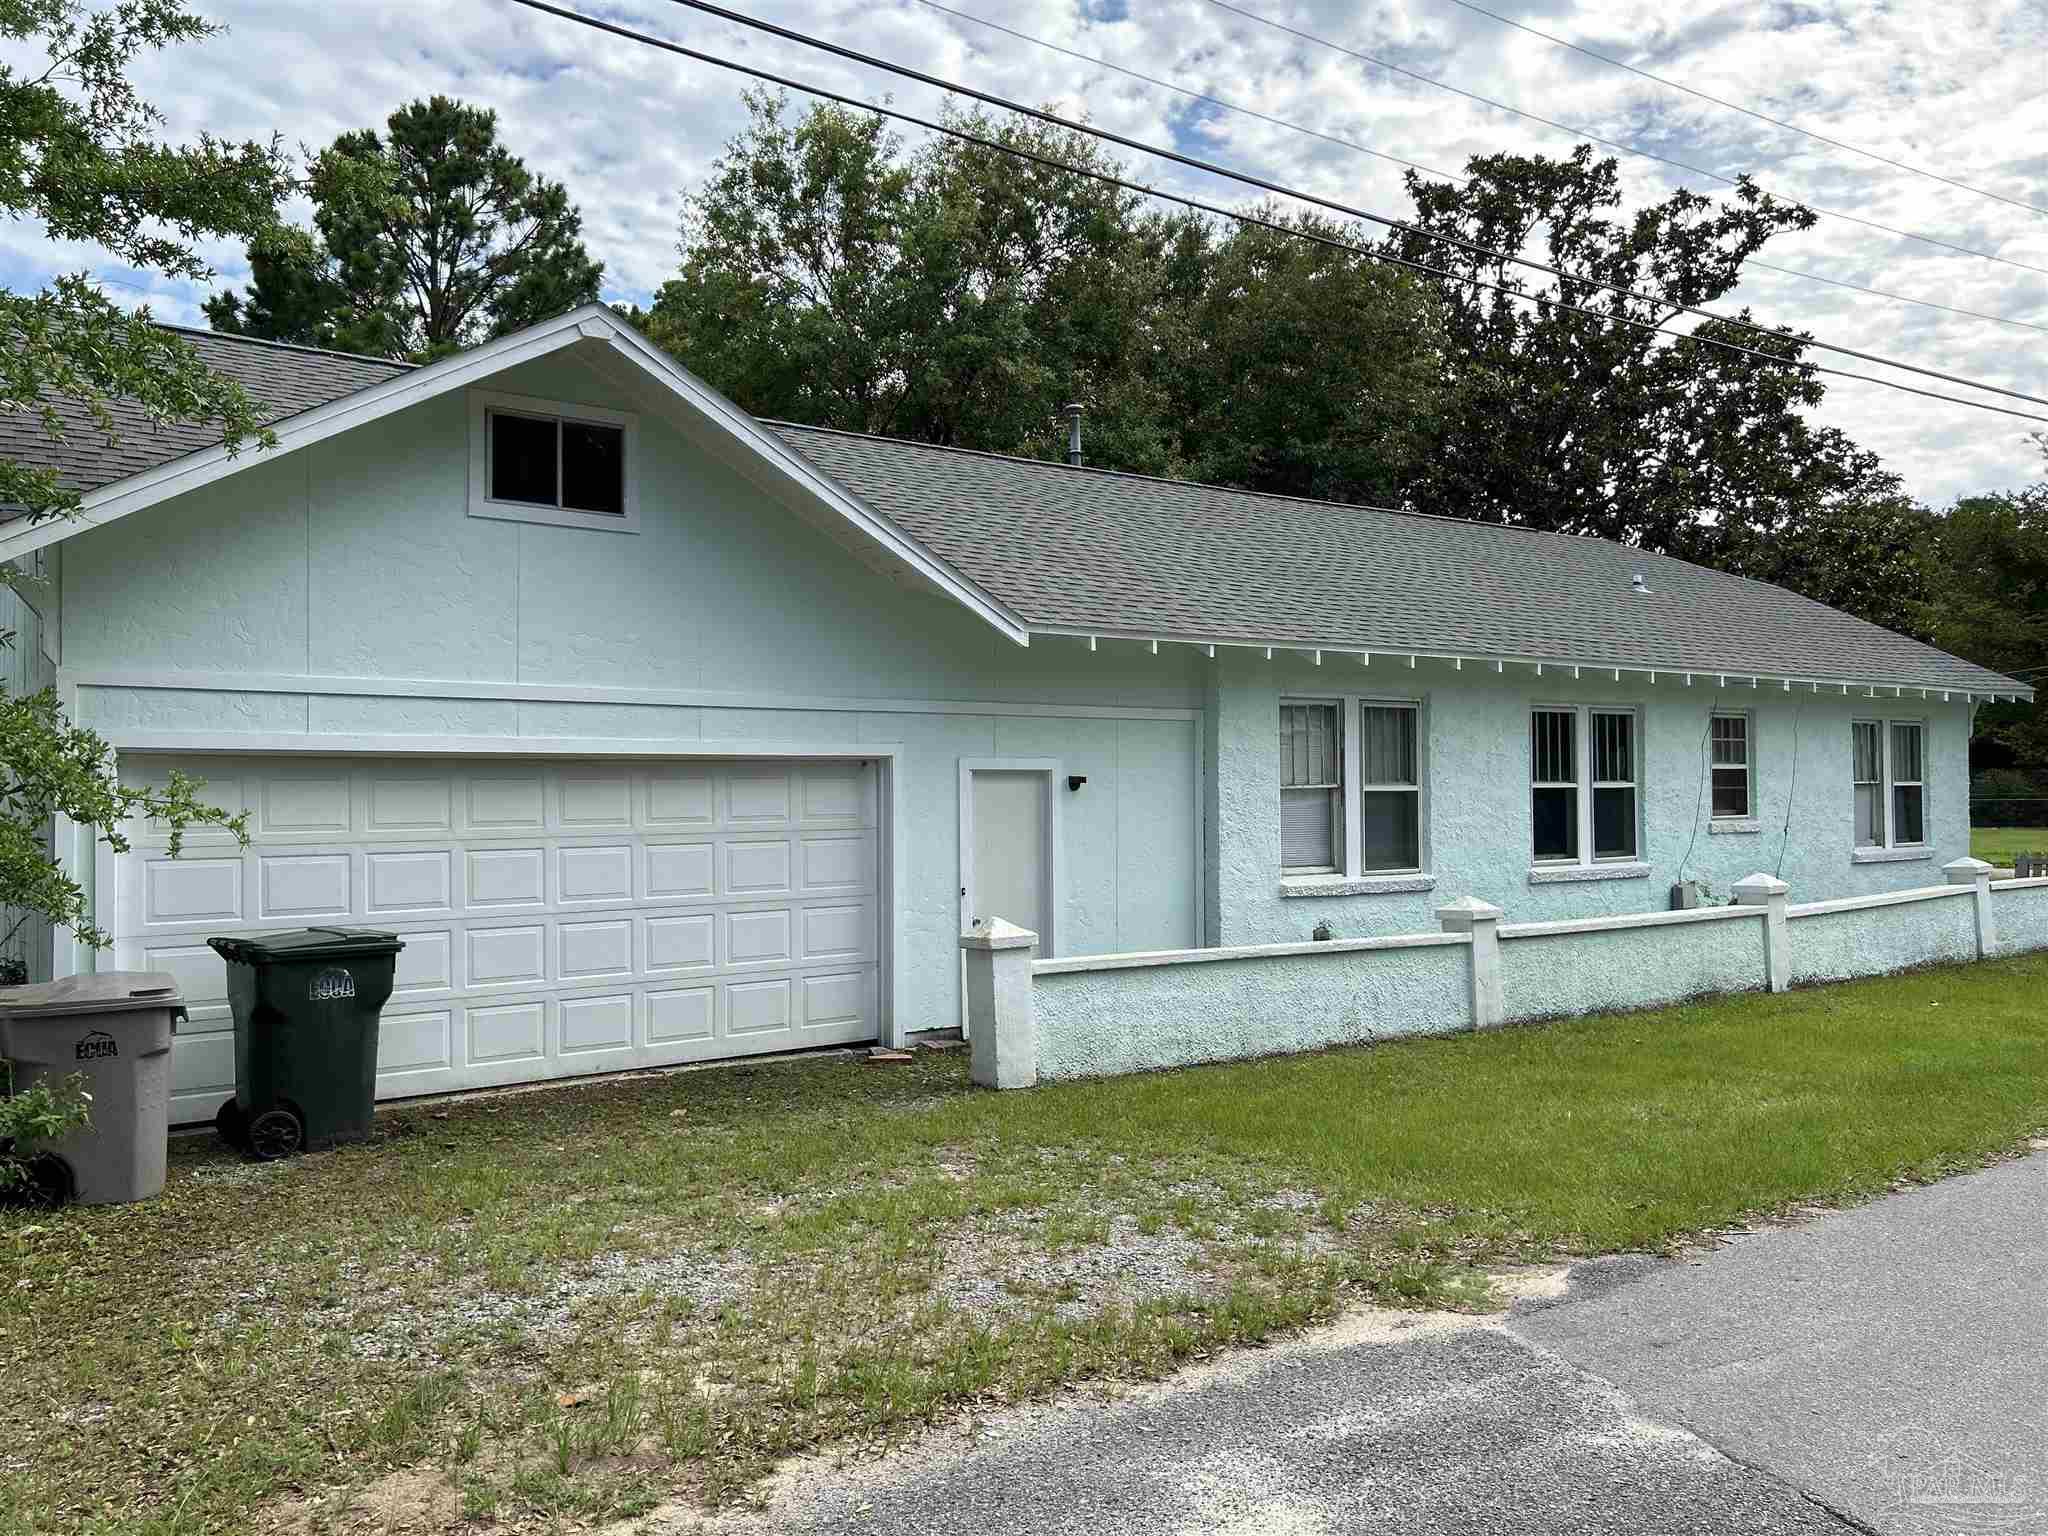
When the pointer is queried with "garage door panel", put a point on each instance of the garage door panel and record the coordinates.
(498, 803)
(682, 943)
(680, 798)
(410, 803)
(507, 877)
(590, 800)
(600, 948)
(678, 871)
(558, 919)
(411, 1042)
(756, 869)
(406, 882)
(602, 875)
(302, 886)
(302, 806)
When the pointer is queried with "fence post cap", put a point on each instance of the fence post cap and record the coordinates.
(994, 933)
(1461, 914)
(1754, 889)
(1966, 871)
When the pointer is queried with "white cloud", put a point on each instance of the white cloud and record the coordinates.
(1953, 88)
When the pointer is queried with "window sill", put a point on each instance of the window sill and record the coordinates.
(1735, 826)
(1571, 874)
(1364, 885)
(1891, 855)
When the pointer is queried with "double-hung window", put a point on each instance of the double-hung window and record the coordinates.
(1584, 791)
(1888, 781)
(1350, 787)
(1312, 787)
(1731, 768)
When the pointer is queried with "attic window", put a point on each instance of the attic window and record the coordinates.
(548, 462)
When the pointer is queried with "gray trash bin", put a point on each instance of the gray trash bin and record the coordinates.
(114, 1029)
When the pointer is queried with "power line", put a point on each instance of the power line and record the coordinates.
(1627, 149)
(1239, 216)
(1762, 117)
(1903, 298)
(1265, 184)
(1338, 139)
(1182, 90)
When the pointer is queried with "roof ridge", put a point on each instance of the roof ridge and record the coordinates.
(1210, 485)
(284, 346)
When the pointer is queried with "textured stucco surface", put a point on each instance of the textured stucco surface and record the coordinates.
(2022, 917)
(356, 560)
(1098, 1023)
(1556, 974)
(1828, 946)
(1476, 813)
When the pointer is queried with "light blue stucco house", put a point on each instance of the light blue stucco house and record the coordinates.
(662, 733)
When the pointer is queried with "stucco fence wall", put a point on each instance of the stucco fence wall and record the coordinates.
(1034, 1021)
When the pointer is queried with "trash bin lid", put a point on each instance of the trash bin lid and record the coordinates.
(108, 992)
(307, 944)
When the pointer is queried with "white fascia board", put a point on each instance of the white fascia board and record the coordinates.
(593, 322)
(1647, 669)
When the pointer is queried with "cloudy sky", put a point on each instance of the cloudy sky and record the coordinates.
(1956, 89)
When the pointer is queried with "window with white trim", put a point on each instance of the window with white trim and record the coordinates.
(1389, 793)
(1888, 779)
(1867, 778)
(1350, 787)
(547, 462)
(1585, 794)
(1733, 796)
(1909, 788)
(1311, 787)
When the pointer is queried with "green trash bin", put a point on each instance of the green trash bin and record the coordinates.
(114, 1030)
(306, 1006)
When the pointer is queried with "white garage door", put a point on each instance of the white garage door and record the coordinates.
(558, 918)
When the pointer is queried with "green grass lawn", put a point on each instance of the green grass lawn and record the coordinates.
(1997, 845)
(563, 1306)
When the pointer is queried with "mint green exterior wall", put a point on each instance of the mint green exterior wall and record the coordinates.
(25, 668)
(343, 590)
(354, 566)
(1477, 835)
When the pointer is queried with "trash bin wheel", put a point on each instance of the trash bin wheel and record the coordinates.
(276, 1133)
(229, 1122)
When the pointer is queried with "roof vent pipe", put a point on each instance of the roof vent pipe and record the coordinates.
(1071, 414)
(1638, 583)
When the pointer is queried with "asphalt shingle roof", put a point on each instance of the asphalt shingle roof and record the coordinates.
(283, 380)
(1093, 549)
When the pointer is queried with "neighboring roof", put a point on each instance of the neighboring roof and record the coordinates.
(1096, 551)
(283, 380)
(1037, 546)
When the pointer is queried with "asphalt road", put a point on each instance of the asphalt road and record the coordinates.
(1891, 1361)
(1884, 1369)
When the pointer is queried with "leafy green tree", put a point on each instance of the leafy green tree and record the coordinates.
(957, 296)
(79, 156)
(1988, 601)
(1588, 424)
(426, 240)
(1298, 367)
(963, 295)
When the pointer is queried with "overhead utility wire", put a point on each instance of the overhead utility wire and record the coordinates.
(1627, 149)
(1364, 149)
(1762, 117)
(1210, 167)
(1052, 163)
